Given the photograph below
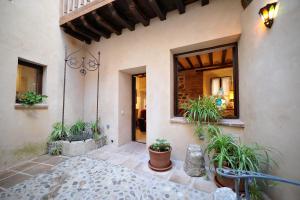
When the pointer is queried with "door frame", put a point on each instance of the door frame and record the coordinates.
(133, 118)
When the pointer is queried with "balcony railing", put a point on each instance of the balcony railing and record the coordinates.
(71, 9)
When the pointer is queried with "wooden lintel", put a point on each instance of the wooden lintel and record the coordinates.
(95, 4)
(158, 11)
(91, 28)
(180, 6)
(137, 13)
(120, 19)
(105, 24)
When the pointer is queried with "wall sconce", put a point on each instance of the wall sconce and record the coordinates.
(268, 13)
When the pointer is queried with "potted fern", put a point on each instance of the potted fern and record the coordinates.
(160, 154)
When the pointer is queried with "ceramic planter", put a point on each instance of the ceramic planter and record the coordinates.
(160, 161)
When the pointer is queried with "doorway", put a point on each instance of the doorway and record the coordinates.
(139, 119)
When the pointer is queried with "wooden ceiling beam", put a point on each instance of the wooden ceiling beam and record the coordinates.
(158, 11)
(84, 33)
(120, 19)
(76, 35)
(105, 24)
(210, 56)
(137, 13)
(181, 67)
(209, 67)
(199, 60)
(91, 28)
(224, 52)
(204, 2)
(189, 62)
(180, 6)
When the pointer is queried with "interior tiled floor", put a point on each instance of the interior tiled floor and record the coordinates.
(132, 155)
(140, 136)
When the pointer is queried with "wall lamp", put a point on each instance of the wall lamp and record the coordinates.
(268, 13)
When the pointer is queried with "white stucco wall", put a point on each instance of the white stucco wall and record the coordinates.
(151, 47)
(269, 87)
(30, 29)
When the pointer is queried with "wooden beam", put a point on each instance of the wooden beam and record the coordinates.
(91, 28)
(180, 65)
(210, 56)
(180, 6)
(224, 52)
(137, 13)
(95, 4)
(199, 60)
(82, 32)
(189, 62)
(158, 11)
(76, 35)
(204, 2)
(210, 67)
(120, 19)
(105, 24)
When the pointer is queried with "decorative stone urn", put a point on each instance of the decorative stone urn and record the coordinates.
(194, 164)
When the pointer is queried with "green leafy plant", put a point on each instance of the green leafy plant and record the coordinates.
(95, 130)
(31, 98)
(204, 114)
(56, 151)
(225, 151)
(161, 145)
(77, 128)
(58, 132)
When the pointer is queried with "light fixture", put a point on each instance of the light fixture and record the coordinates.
(268, 13)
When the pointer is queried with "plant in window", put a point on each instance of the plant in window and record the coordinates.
(204, 114)
(160, 154)
(31, 98)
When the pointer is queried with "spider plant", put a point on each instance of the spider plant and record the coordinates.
(95, 129)
(77, 128)
(200, 112)
(58, 132)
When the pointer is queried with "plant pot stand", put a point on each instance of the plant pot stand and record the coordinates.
(160, 169)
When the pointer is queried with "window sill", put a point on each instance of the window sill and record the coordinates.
(224, 122)
(36, 107)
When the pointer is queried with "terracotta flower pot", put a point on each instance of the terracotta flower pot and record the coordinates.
(160, 161)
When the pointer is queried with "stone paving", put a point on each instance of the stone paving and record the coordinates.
(107, 173)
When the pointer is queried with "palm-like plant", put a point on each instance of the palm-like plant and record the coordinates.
(59, 132)
(77, 128)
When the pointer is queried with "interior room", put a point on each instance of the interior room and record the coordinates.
(140, 108)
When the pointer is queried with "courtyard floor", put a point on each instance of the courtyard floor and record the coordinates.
(107, 173)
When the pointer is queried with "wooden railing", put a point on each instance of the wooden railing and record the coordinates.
(71, 9)
(72, 5)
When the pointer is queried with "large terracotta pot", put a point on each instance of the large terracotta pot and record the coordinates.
(228, 182)
(160, 161)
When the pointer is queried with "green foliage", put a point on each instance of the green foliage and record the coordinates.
(77, 128)
(225, 150)
(31, 98)
(95, 130)
(58, 132)
(204, 114)
(161, 145)
(56, 151)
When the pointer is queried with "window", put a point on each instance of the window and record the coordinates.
(208, 72)
(29, 78)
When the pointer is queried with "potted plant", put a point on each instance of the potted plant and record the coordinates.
(78, 131)
(160, 154)
(58, 133)
(31, 98)
(226, 152)
(204, 114)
